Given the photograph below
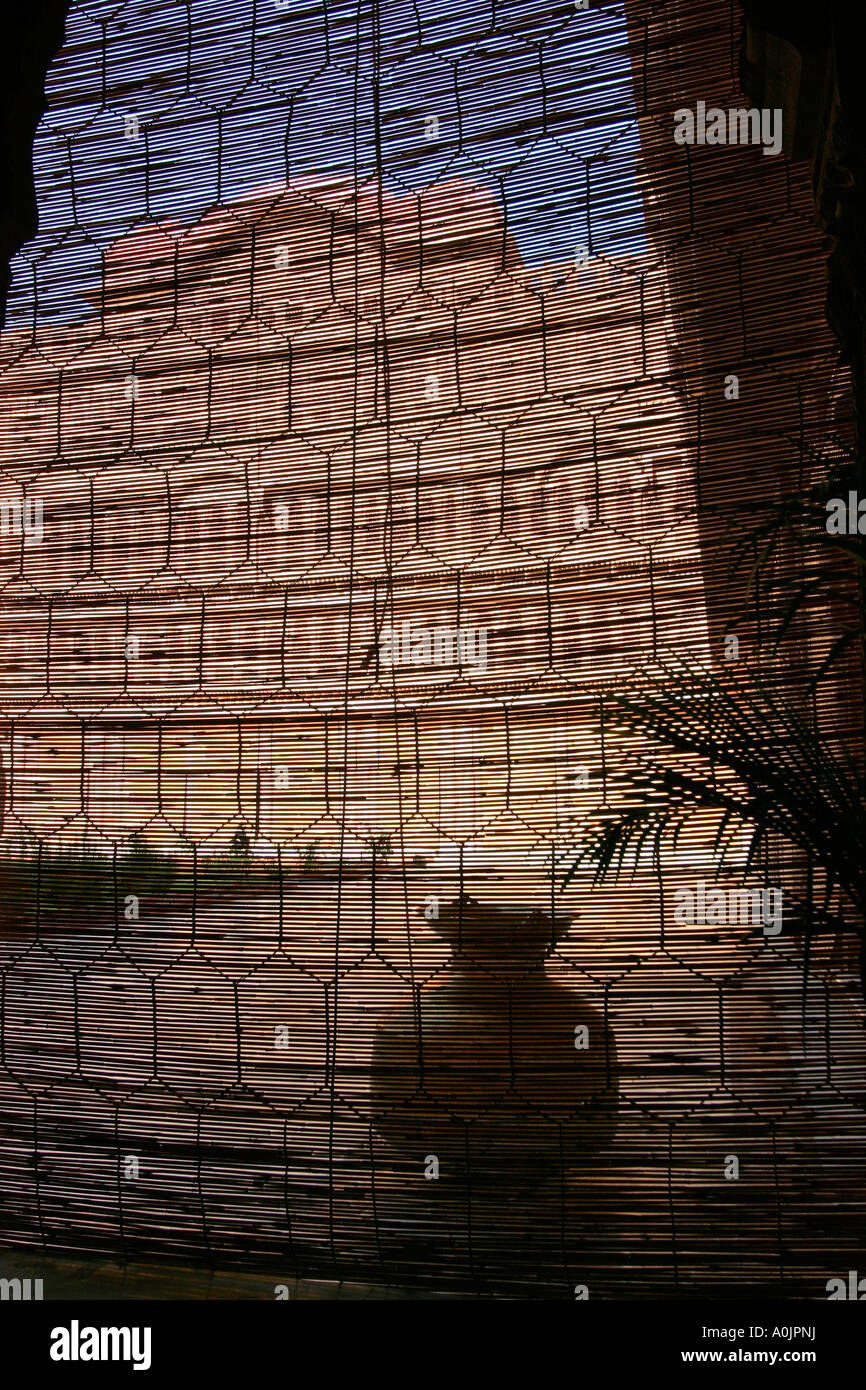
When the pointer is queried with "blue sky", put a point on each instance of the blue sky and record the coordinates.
(289, 91)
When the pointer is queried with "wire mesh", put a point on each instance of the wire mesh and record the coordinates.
(368, 419)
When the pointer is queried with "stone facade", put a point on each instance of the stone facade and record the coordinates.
(304, 418)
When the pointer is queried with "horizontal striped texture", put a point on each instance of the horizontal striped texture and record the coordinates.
(385, 391)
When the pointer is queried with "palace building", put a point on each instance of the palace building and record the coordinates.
(312, 417)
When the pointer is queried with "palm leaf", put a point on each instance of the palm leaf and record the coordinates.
(720, 743)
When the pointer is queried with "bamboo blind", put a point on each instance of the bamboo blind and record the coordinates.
(367, 374)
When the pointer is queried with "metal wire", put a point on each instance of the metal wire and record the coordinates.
(367, 418)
